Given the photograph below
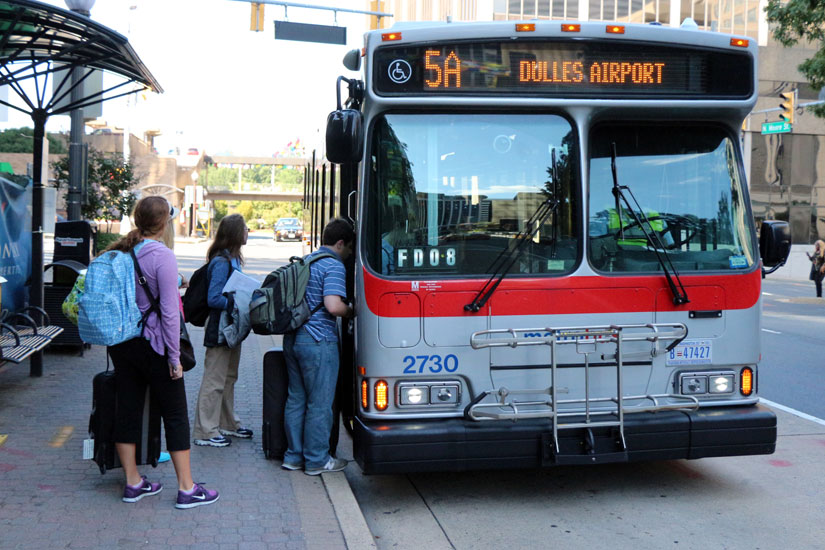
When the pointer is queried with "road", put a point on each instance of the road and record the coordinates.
(793, 345)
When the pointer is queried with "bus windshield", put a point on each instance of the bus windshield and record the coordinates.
(448, 193)
(688, 185)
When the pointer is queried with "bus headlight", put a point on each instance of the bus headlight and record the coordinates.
(412, 395)
(721, 384)
(428, 393)
(708, 382)
(692, 385)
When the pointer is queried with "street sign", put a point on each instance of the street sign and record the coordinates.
(305, 32)
(780, 127)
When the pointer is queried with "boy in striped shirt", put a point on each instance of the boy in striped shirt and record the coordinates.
(311, 354)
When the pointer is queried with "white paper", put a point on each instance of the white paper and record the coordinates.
(238, 282)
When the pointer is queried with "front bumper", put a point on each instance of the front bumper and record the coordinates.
(458, 444)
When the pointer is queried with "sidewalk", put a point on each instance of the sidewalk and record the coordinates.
(51, 498)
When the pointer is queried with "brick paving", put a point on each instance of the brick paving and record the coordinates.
(51, 498)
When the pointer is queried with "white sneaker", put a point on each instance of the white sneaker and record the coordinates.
(332, 465)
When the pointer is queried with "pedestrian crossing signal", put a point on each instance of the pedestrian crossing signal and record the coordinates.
(787, 106)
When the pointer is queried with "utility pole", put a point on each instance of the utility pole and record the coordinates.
(76, 170)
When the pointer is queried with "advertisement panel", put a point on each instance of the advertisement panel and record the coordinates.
(15, 243)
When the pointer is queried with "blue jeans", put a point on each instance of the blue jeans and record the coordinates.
(313, 373)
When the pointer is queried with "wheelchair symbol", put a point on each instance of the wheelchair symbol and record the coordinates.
(399, 71)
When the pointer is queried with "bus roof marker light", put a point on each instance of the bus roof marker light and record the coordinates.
(570, 27)
(615, 29)
(381, 395)
(746, 381)
(390, 36)
(525, 27)
(739, 42)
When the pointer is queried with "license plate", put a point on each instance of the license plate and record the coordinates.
(691, 352)
(292, 235)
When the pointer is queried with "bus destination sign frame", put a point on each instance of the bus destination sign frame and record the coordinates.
(581, 68)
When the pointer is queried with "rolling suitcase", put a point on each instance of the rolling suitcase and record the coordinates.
(102, 425)
(275, 393)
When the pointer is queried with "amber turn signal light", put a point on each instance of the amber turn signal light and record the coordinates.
(381, 395)
(746, 381)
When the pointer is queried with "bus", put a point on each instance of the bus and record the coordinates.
(556, 259)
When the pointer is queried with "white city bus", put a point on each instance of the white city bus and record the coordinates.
(556, 258)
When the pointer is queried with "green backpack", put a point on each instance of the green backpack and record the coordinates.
(70, 304)
(280, 306)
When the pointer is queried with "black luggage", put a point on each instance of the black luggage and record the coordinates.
(102, 425)
(275, 393)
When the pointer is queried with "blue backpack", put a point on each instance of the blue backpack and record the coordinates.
(107, 310)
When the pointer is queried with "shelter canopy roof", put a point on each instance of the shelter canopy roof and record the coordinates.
(42, 35)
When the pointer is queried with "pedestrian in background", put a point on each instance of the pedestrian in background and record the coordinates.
(215, 416)
(154, 359)
(311, 355)
(818, 266)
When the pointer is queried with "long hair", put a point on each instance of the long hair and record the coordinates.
(151, 217)
(821, 248)
(230, 236)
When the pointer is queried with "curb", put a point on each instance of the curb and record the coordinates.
(354, 527)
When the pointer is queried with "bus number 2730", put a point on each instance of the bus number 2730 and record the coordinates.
(415, 364)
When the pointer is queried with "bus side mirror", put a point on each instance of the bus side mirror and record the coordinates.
(345, 136)
(774, 243)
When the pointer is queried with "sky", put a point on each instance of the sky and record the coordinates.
(227, 90)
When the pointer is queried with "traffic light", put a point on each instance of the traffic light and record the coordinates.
(787, 106)
(257, 20)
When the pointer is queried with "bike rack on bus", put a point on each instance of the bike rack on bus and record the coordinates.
(505, 404)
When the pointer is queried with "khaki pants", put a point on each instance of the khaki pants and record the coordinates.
(216, 399)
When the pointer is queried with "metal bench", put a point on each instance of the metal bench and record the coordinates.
(21, 335)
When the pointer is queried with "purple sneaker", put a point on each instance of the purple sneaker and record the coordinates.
(134, 494)
(198, 497)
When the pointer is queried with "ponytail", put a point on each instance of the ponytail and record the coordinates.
(127, 242)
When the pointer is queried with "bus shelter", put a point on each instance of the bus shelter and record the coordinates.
(40, 47)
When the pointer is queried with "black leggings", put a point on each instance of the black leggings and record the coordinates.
(136, 365)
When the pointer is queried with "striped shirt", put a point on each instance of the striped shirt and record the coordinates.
(327, 277)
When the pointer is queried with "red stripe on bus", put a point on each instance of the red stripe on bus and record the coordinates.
(562, 295)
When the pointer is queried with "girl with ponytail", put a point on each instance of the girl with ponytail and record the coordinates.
(153, 359)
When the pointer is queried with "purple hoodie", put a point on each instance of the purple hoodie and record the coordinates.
(160, 267)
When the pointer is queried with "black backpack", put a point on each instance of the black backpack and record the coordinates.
(280, 306)
(195, 304)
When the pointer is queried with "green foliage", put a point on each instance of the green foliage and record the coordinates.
(109, 189)
(259, 176)
(20, 140)
(103, 240)
(795, 20)
(258, 214)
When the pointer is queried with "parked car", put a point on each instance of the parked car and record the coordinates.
(288, 229)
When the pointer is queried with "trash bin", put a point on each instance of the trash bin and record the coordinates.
(64, 274)
(74, 241)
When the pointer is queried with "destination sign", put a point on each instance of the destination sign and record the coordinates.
(575, 68)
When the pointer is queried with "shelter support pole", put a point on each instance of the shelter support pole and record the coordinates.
(76, 149)
(39, 117)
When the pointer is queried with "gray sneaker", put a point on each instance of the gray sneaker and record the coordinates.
(332, 465)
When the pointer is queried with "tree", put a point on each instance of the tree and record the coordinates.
(19, 140)
(797, 20)
(109, 189)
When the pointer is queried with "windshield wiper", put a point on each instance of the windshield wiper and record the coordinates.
(679, 293)
(508, 256)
